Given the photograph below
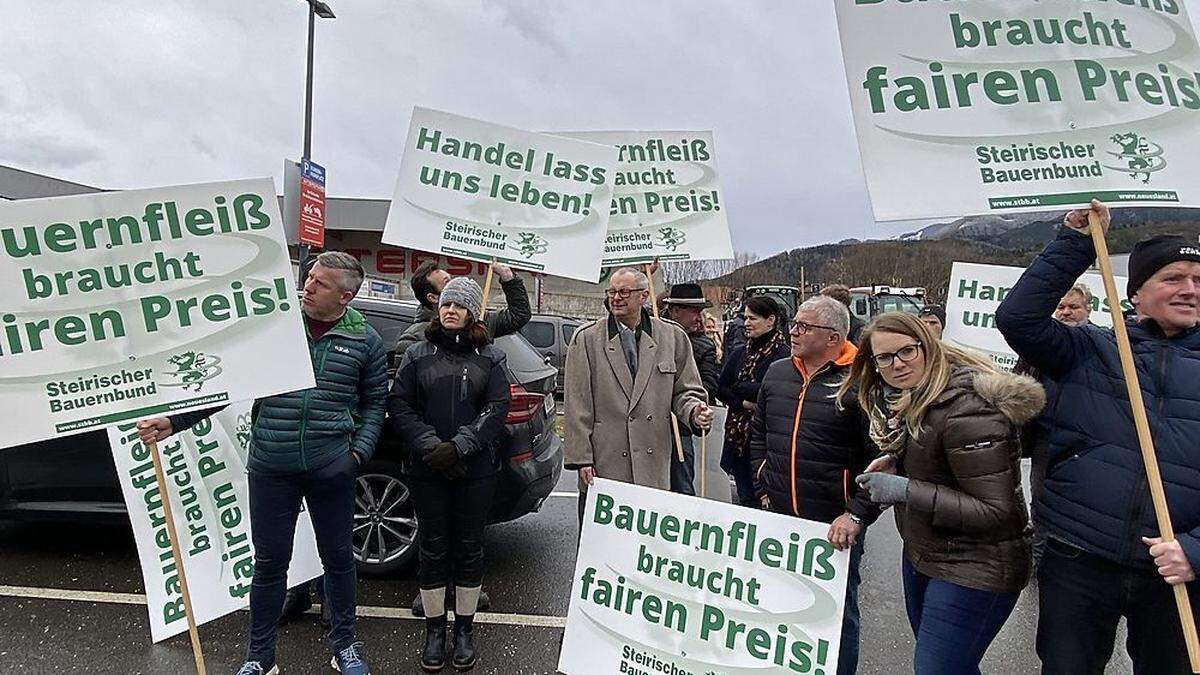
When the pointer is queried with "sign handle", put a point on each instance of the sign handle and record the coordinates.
(178, 555)
(1157, 494)
(487, 288)
(674, 419)
(703, 465)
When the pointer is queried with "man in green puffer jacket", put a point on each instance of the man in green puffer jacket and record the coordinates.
(307, 445)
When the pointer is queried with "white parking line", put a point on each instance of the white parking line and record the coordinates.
(572, 495)
(106, 597)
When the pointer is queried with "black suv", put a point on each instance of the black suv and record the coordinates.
(74, 477)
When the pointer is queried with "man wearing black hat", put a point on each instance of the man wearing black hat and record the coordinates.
(1104, 558)
(934, 318)
(685, 305)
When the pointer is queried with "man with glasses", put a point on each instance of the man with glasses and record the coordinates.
(806, 448)
(625, 376)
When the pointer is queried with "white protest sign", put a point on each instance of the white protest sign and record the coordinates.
(126, 305)
(666, 198)
(996, 106)
(482, 191)
(977, 290)
(205, 469)
(671, 584)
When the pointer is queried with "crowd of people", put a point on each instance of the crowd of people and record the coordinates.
(829, 419)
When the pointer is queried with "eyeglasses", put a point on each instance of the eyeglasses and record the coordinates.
(623, 293)
(905, 354)
(802, 328)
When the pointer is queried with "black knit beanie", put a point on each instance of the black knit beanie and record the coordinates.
(1153, 254)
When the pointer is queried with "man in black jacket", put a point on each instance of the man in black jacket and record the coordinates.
(685, 305)
(806, 449)
(427, 283)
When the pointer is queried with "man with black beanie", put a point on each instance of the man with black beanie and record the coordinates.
(1104, 557)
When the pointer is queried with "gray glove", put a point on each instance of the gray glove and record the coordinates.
(884, 488)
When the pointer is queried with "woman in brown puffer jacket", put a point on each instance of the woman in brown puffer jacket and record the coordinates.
(949, 424)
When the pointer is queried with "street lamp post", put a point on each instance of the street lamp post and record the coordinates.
(316, 8)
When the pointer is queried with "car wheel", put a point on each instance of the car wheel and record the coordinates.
(385, 522)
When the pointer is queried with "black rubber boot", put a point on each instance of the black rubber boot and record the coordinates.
(433, 659)
(464, 642)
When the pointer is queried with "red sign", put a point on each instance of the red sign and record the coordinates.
(312, 204)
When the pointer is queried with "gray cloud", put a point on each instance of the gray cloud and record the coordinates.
(127, 93)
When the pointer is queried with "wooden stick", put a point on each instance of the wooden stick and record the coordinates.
(674, 419)
(1157, 494)
(487, 289)
(178, 555)
(703, 464)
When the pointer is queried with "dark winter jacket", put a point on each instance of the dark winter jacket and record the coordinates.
(965, 520)
(500, 322)
(735, 335)
(1095, 495)
(704, 351)
(733, 392)
(804, 450)
(448, 389)
(307, 429)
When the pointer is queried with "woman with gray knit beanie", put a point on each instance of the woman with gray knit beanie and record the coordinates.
(448, 404)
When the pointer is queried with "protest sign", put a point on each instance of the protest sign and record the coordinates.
(120, 306)
(209, 492)
(671, 584)
(666, 198)
(486, 192)
(999, 106)
(977, 290)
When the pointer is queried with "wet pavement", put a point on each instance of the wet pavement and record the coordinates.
(49, 623)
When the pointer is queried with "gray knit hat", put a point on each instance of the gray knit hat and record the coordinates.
(464, 292)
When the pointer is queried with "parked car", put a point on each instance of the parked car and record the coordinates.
(73, 478)
(550, 334)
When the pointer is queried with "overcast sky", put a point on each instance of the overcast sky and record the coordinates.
(125, 94)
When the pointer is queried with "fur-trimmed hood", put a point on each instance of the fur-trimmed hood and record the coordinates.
(1020, 398)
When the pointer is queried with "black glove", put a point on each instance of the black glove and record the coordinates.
(443, 456)
(457, 471)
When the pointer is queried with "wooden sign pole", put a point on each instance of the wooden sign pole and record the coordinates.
(177, 553)
(674, 419)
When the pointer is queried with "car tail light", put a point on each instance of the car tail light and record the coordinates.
(525, 404)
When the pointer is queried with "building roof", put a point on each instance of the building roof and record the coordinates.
(20, 184)
(341, 213)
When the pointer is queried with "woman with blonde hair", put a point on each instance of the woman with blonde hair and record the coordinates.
(712, 328)
(948, 422)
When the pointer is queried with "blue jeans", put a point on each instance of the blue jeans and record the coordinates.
(851, 619)
(683, 474)
(275, 503)
(953, 625)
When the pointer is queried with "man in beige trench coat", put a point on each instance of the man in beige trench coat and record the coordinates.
(625, 375)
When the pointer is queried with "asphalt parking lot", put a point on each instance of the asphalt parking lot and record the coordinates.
(70, 603)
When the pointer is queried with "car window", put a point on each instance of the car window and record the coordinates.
(539, 333)
(389, 326)
(568, 331)
(521, 355)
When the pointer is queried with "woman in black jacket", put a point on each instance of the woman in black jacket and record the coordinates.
(448, 405)
(738, 388)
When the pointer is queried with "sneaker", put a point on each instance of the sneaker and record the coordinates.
(349, 661)
(257, 668)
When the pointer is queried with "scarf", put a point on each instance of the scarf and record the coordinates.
(737, 423)
(887, 429)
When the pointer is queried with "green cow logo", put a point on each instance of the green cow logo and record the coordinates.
(193, 369)
(1139, 155)
(670, 238)
(529, 244)
(242, 431)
